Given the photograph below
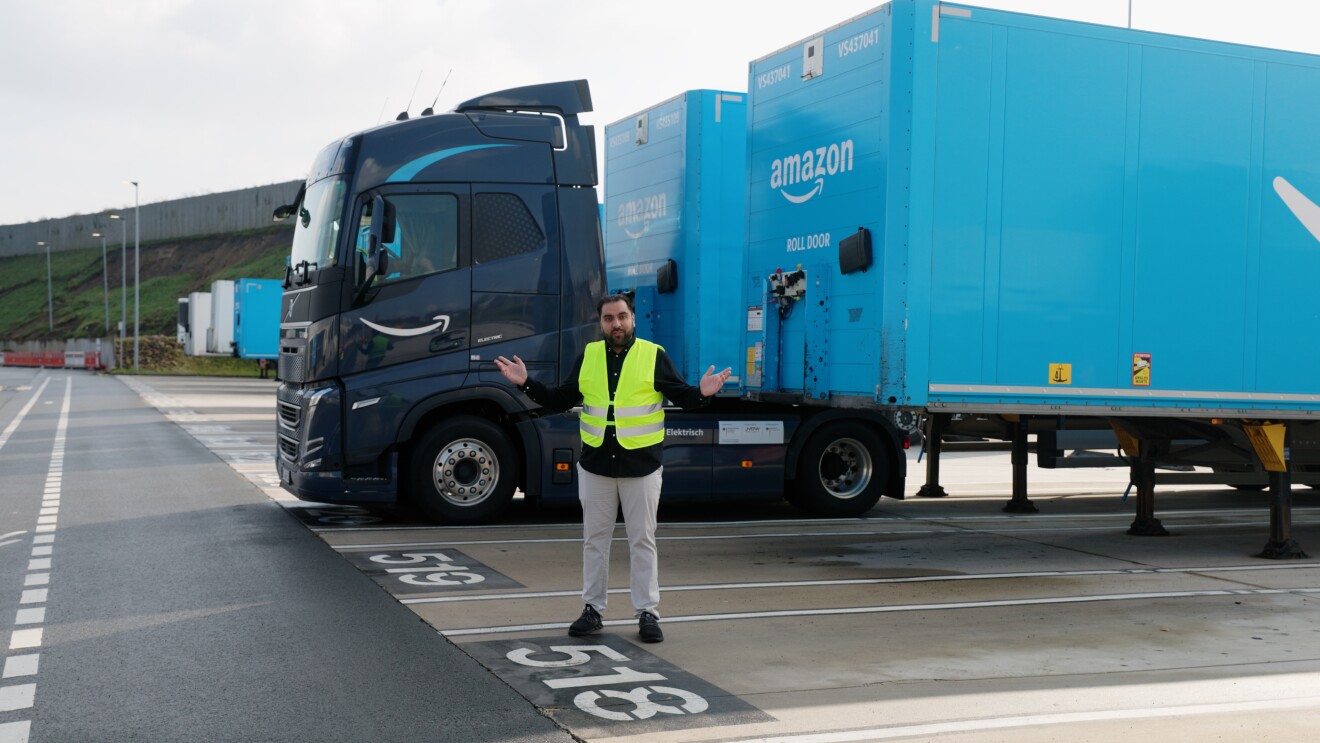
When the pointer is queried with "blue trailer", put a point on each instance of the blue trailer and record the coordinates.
(257, 318)
(674, 198)
(1061, 217)
(991, 213)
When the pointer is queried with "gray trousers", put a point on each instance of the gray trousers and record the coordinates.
(601, 498)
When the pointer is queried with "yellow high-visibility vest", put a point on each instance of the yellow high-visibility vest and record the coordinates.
(639, 413)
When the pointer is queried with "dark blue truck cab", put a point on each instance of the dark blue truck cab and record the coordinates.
(423, 249)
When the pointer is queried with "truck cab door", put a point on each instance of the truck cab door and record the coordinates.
(412, 320)
(516, 290)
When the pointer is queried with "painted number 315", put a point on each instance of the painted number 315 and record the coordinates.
(643, 707)
(428, 569)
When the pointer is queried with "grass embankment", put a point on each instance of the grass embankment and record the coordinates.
(168, 270)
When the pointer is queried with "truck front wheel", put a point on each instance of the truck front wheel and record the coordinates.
(841, 471)
(463, 472)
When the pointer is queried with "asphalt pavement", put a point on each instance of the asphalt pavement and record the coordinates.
(163, 587)
(172, 601)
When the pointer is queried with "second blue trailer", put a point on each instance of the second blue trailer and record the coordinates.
(997, 212)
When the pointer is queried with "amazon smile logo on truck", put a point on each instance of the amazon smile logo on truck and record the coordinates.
(800, 176)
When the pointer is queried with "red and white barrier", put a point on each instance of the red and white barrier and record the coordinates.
(52, 360)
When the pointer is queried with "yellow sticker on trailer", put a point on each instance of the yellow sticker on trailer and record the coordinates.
(1060, 373)
(1140, 370)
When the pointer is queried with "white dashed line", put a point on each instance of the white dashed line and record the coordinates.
(21, 665)
(15, 732)
(18, 696)
(25, 635)
(22, 639)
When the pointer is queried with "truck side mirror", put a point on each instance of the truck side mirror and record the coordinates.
(285, 211)
(382, 233)
(382, 221)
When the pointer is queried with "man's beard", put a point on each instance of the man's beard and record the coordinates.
(622, 341)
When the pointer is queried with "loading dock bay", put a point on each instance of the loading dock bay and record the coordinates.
(925, 618)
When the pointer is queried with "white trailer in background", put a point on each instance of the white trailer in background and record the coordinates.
(220, 331)
(181, 324)
(199, 323)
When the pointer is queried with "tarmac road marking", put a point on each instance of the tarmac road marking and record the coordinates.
(22, 696)
(1000, 603)
(425, 572)
(876, 581)
(1062, 718)
(17, 696)
(25, 638)
(606, 686)
(799, 535)
(22, 413)
(21, 665)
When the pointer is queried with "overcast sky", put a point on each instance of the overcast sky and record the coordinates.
(199, 96)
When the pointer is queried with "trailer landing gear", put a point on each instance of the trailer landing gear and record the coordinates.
(1020, 502)
(934, 434)
(1281, 545)
(1143, 476)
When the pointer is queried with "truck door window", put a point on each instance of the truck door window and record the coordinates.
(425, 235)
(503, 228)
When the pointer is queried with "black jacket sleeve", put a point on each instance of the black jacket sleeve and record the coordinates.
(559, 398)
(673, 387)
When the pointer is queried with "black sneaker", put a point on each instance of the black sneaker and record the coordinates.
(648, 627)
(587, 623)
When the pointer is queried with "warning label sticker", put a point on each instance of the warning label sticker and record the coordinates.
(1140, 370)
(1060, 373)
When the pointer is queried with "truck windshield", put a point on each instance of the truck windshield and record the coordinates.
(319, 216)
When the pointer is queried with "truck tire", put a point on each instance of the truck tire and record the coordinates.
(463, 471)
(842, 471)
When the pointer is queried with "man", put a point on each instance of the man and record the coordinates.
(622, 382)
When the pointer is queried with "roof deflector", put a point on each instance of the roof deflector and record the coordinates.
(567, 98)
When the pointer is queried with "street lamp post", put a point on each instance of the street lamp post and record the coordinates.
(137, 273)
(105, 280)
(123, 274)
(50, 295)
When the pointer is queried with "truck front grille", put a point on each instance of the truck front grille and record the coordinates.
(289, 447)
(290, 414)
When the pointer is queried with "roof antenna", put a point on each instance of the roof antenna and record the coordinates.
(403, 115)
(431, 108)
(381, 116)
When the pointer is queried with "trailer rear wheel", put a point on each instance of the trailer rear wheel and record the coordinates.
(463, 471)
(841, 471)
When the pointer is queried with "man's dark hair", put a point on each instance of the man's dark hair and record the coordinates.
(627, 298)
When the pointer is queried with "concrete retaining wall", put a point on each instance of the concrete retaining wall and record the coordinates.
(231, 211)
